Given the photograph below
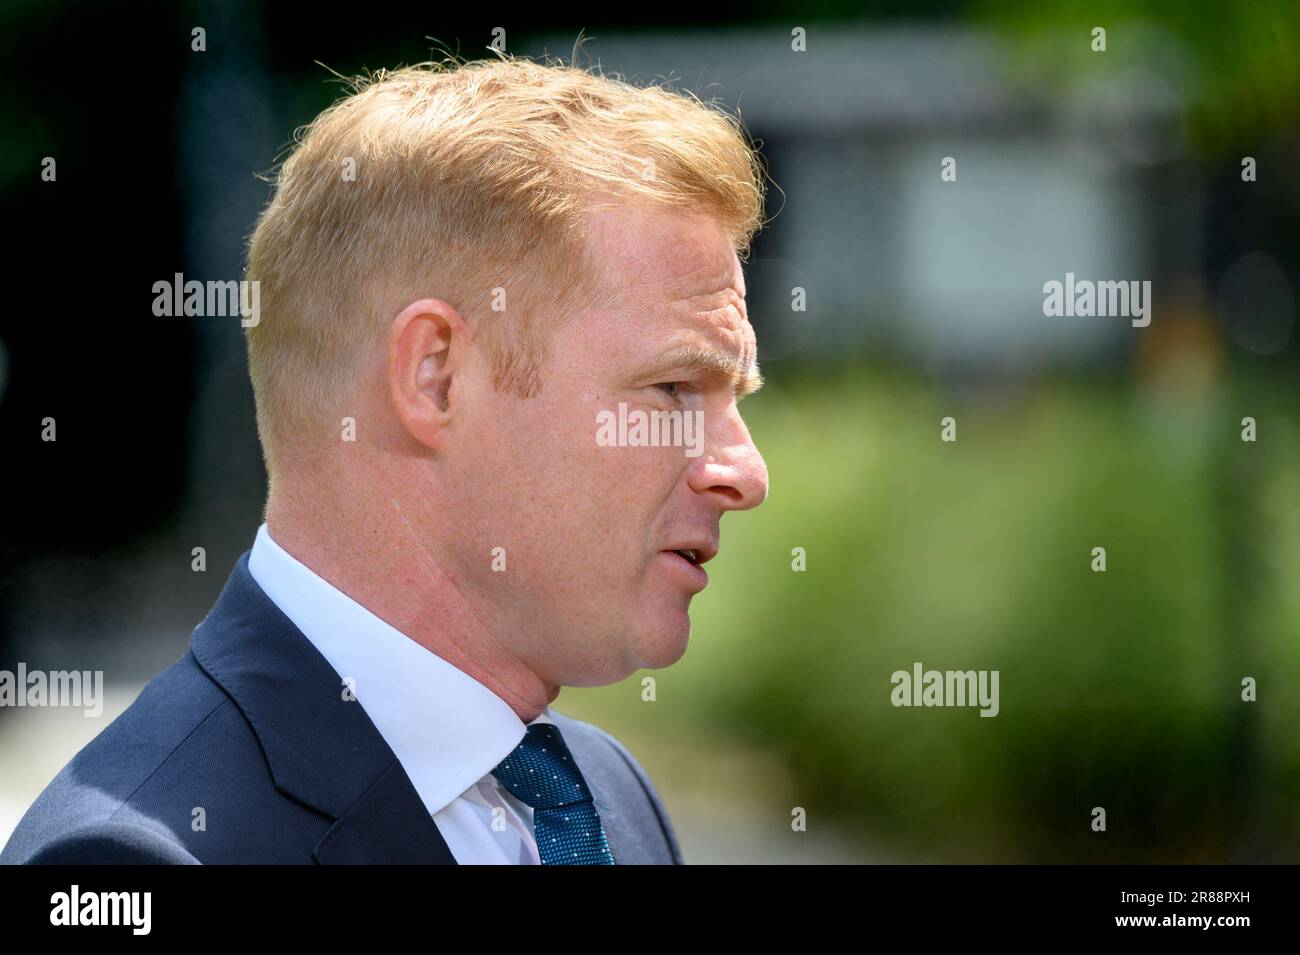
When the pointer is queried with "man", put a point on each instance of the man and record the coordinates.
(467, 272)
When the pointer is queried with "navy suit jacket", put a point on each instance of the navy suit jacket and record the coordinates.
(251, 727)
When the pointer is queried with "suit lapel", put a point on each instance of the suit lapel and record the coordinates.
(369, 833)
(322, 748)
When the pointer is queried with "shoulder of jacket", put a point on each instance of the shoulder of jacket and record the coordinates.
(112, 843)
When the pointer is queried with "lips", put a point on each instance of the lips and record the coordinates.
(696, 552)
(687, 573)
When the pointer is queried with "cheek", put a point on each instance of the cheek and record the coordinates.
(634, 490)
(561, 490)
(556, 475)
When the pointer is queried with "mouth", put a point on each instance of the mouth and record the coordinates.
(686, 563)
(700, 552)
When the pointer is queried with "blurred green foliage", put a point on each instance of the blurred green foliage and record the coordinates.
(1234, 64)
(1119, 689)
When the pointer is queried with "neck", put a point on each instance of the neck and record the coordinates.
(376, 557)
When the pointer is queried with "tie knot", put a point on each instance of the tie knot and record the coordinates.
(541, 771)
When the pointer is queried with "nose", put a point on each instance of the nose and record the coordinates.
(731, 471)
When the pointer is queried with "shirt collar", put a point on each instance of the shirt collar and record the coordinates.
(447, 729)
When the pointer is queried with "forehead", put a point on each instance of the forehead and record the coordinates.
(671, 272)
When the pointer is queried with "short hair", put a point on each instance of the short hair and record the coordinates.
(453, 180)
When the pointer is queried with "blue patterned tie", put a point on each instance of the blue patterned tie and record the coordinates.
(542, 773)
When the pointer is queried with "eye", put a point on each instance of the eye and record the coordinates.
(670, 388)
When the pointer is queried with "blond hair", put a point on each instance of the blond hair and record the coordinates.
(468, 177)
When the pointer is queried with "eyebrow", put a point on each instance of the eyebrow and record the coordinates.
(716, 362)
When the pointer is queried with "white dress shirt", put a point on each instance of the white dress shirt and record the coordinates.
(447, 730)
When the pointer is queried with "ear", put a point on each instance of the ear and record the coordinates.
(428, 347)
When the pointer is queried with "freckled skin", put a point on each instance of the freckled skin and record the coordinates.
(587, 587)
(587, 597)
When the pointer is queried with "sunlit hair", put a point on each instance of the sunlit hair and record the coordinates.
(453, 180)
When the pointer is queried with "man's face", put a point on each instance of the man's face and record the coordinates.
(593, 588)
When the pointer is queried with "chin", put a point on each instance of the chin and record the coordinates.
(664, 643)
